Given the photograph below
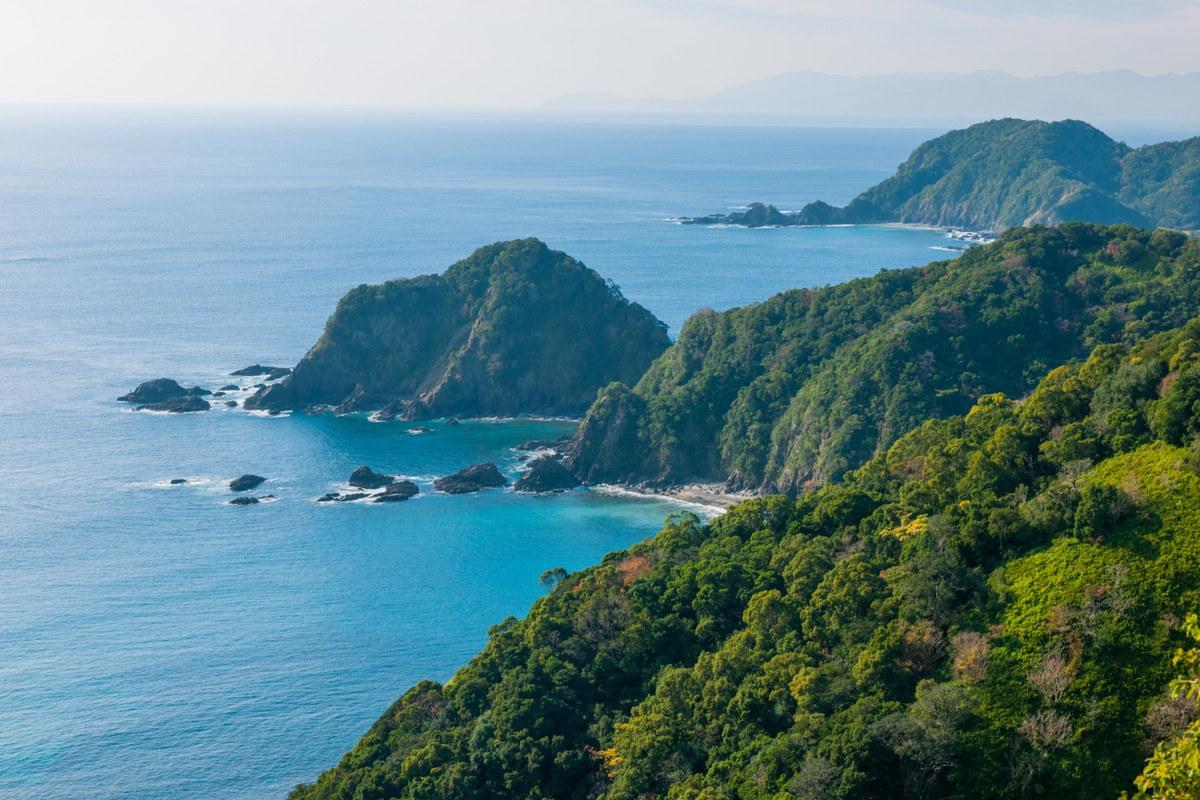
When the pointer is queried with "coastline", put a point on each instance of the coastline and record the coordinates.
(960, 234)
(712, 496)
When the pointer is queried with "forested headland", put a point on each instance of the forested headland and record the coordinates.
(789, 393)
(1009, 172)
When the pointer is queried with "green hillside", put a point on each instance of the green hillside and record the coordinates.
(1008, 172)
(789, 393)
(985, 609)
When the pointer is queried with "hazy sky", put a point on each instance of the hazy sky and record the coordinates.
(521, 52)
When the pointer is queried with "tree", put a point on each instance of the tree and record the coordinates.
(1173, 772)
(552, 577)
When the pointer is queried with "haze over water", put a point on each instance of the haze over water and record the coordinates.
(158, 642)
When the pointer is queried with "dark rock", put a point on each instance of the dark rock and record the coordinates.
(258, 369)
(325, 498)
(471, 479)
(756, 215)
(366, 478)
(346, 498)
(259, 386)
(274, 412)
(546, 475)
(245, 483)
(231, 403)
(452, 421)
(243, 501)
(154, 391)
(196, 391)
(387, 413)
(230, 387)
(400, 490)
(218, 394)
(177, 405)
(178, 481)
(544, 444)
(420, 429)
(278, 372)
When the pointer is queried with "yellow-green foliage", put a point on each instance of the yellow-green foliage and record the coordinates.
(1173, 771)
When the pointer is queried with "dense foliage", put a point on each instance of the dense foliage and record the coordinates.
(987, 609)
(1014, 172)
(1010, 172)
(514, 328)
(792, 392)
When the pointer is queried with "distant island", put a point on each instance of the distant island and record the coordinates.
(515, 328)
(1009, 172)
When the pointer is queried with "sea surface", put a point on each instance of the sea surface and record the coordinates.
(156, 642)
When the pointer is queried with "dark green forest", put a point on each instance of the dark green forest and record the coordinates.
(790, 393)
(982, 603)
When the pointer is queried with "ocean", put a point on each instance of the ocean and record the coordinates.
(159, 643)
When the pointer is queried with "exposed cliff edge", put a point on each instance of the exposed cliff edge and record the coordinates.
(1009, 172)
(792, 392)
(516, 328)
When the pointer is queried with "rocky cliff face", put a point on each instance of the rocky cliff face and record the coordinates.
(515, 328)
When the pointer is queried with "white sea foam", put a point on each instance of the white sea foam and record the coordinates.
(621, 491)
(261, 413)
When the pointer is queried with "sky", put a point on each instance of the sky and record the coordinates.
(518, 53)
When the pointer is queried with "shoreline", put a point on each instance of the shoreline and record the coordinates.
(952, 232)
(708, 495)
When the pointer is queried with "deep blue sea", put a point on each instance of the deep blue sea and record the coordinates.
(156, 642)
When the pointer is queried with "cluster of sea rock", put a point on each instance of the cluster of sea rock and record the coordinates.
(366, 478)
(545, 474)
(166, 394)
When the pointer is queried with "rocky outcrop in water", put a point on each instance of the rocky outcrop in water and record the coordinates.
(177, 405)
(400, 490)
(515, 328)
(366, 478)
(546, 475)
(544, 444)
(471, 479)
(255, 370)
(245, 483)
(154, 391)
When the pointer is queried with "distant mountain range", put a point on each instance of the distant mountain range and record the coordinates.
(924, 97)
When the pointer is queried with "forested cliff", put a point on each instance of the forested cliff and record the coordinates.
(792, 392)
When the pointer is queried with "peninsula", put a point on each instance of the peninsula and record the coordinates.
(1009, 172)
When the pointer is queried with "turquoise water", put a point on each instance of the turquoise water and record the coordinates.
(158, 642)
